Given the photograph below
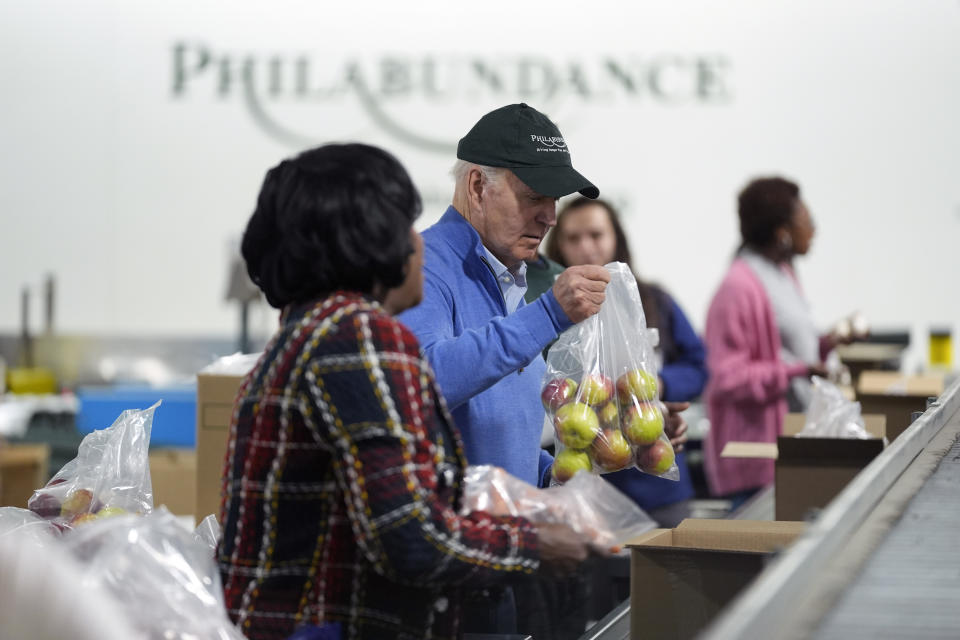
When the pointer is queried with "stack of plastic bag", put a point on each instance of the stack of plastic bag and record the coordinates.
(831, 415)
(587, 504)
(601, 390)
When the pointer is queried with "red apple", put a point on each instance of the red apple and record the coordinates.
(657, 458)
(610, 416)
(557, 393)
(44, 505)
(643, 423)
(596, 389)
(568, 462)
(78, 501)
(576, 425)
(611, 451)
(637, 384)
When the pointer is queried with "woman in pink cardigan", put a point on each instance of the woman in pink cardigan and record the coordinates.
(762, 345)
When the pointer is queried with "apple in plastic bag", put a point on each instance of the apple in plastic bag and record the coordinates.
(596, 389)
(577, 425)
(611, 451)
(557, 393)
(609, 416)
(568, 462)
(109, 512)
(657, 458)
(82, 518)
(643, 423)
(78, 501)
(637, 384)
(45, 505)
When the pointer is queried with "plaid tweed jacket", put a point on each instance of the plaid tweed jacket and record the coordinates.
(342, 484)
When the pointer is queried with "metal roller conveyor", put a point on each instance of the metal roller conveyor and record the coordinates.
(881, 561)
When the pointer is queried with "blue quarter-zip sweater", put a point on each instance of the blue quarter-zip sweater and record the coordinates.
(487, 362)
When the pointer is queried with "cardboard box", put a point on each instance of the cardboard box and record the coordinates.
(810, 472)
(896, 396)
(869, 356)
(173, 473)
(23, 468)
(681, 578)
(215, 396)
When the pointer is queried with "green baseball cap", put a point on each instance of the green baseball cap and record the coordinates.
(520, 138)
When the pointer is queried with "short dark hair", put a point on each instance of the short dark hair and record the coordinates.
(335, 217)
(621, 253)
(765, 205)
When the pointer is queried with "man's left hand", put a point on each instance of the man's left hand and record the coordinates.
(674, 424)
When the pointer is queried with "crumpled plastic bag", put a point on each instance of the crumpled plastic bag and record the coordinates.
(831, 415)
(26, 524)
(164, 576)
(586, 503)
(110, 475)
(601, 390)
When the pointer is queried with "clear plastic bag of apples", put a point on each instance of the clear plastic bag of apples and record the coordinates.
(109, 477)
(601, 391)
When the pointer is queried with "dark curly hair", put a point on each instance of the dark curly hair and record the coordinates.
(335, 217)
(765, 205)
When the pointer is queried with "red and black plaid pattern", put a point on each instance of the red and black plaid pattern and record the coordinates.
(341, 487)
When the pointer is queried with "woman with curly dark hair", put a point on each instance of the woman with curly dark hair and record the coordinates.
(762, 344)
(344, 472)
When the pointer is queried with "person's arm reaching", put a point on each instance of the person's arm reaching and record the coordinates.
(378, 416)
(475, 360)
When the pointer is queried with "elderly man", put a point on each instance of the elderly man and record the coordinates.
(483, 342)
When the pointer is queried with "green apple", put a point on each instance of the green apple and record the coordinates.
(637, 384)
(557, 393)
(643, 423)
(78, 501)
(568, 462)
(611, 451)
(576, 425)
(657, 458)
(596, 389)
(109, 512)
(610, 416)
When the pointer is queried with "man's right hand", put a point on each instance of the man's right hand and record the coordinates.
(580, 291)
(561, 548)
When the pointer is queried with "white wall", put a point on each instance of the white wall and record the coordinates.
(132, 190)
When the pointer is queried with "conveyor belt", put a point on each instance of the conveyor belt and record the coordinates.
(910, 587)
(881, 560)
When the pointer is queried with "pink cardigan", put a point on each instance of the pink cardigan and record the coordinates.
(746, 392)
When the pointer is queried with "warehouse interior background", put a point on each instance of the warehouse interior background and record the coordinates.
(135, 137)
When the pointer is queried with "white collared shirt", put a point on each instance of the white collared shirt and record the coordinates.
(513, 285)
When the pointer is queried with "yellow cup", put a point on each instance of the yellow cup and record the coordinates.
(941, 348)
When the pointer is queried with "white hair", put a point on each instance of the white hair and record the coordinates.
(490, 174)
